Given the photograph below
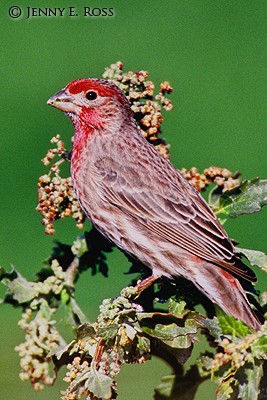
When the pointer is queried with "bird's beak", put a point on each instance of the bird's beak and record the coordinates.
(64, 102)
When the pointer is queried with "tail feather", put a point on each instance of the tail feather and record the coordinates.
(225, 290)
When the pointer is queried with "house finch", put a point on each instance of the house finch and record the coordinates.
(139, 201)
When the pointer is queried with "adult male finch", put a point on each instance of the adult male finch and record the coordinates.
(139, 201)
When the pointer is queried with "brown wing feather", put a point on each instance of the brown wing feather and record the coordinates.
(179, 215)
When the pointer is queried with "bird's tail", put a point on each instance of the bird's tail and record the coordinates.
(225, 290)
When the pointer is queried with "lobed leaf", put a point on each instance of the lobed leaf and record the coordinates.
(247, 198)
(255, 257)
(259, 347)
(226, 392)
(250, 384)
(177, 308)
(230, 326)
(19, 289)
(99, 384)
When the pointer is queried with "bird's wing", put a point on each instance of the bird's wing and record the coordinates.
(170, 208)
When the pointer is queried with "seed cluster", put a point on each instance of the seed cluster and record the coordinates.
(146, 105)
(57, 198)
(41, 337)
(239, 351)
(76, 370)
(39, 325)
(222, 177)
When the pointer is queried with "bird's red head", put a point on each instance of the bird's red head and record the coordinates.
(91, 101)
(95, 107)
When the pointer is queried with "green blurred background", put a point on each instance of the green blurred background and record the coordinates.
(213, 53)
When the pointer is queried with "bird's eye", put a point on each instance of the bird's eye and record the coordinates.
(91, 95)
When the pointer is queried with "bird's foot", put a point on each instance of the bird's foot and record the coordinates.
(132, 292)
(142, 285)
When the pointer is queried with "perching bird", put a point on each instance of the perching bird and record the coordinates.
(139, 201)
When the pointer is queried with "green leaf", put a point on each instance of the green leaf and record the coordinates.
(249, 387)
(214, 197)
(64, 350)
(109, 331)
(99, 384)
(20, 290)
(143, 344)
(248, 198)
(78, 313)
(45, 310)
(177, 308)
(170, 332)
(180, 342)
(85, 331)
(79, 246)
(231, 326)
(130, 331)
(225, 391)
(255, 257)
(213, 327)
(204, 364)
(259, 347)
(72, 314)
